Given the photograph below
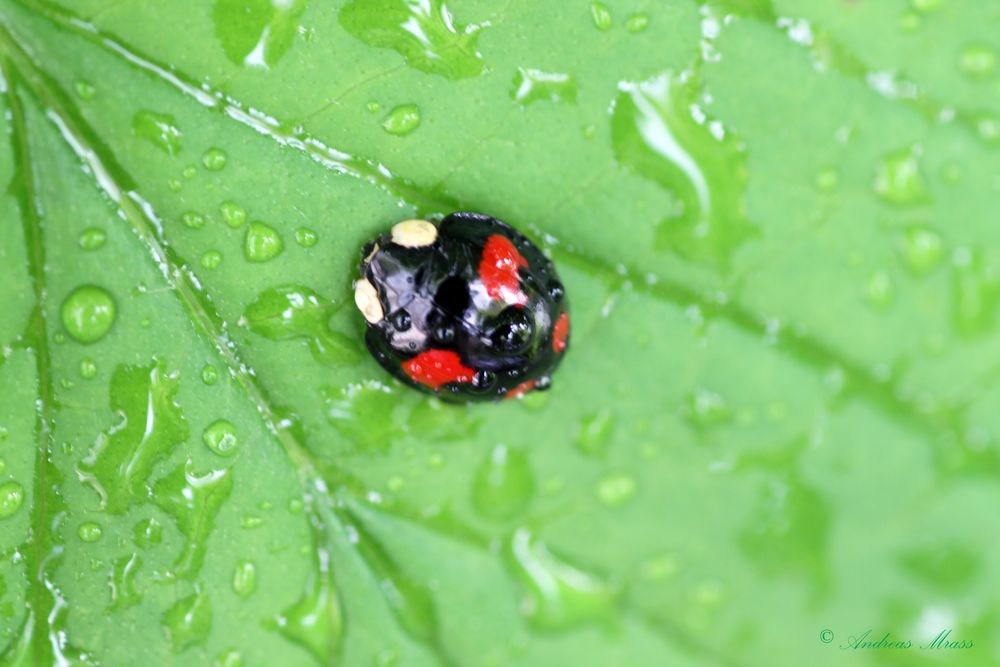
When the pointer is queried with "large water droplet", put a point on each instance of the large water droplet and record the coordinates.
(88, 313)
(601, 16)
(504, 484)
(245, 578)
(158, 129)
(221, 438)
(11, 497)
(560, 595)
(188, 622)
(402, 120)
(531, 85)
(262, 243)
(89, 531)
(899, 179)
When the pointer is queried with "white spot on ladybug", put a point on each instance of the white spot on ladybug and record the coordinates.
(366, 298)
(414, 233)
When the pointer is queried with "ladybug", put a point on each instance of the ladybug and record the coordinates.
(468, 309)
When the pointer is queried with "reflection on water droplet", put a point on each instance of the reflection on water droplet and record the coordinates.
(402, 120)
(211, 259)
(193, 220)
(879, 289)
(616, 489)
(424, 33)
(89, 531)
(209, 374)
(978, 61)
(899, 179)
(214, 159)
(158, 129)
(85, 90)
(221, 438)
(922, 249)
(262, 243)
(147, 533)
(124, 593)
(88, 369)
(601, 16)
(88, 313)
(233, 214)
(245, 578)
(11, 497)
(504, 483)
(532, 85)
(188, 622)
(637, 22)
(306, 237)
(92, 238)
(560, 595)
(595, 433)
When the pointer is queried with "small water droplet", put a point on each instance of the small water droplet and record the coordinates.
(601, 16)
(295, 505)
(504, 484)
(11, 497)
(189, 172)
(922, 249)
(245, 578)
(193, 220)
(92, 238)
(188, 622)
(373, 106)
(221, 438)
(85, 90)
(147, 533)
(978, 61)
(230, 658)
(262, 243)
(659, 568)
(595, 433)
(158, 129)
(88, 369)
(211, 259)
(926, 5)
(89, 531)
(306, 237)
(174, 184)
(637, 23)
(88, 313)
(402, 120)
(879, 289)
(616, 489)
(251, 521)
(214, 159)
(827, 179)
(209, 374)
(705, 408)
(233, 214)
(899, 179)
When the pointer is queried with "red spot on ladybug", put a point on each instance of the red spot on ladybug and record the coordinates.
(498, 270)
(521, 389)
(434, 368)
(560, 332)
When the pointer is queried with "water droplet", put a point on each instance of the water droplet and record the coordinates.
(560, 595)
(926, 5)
(209, 374)
(306, 237)
(189, 172)
(314, 621)
(295, 506)
(975, 292)
(194, 501)
(297, 312)
(909, 21)
(879, 289)
(85, 90)
(922, 249)
(147, 533)
(659, 130)
(158, 129)
(188, 622)
(637, 23)
(659, 568)
(424, 33)
(616, 489)
(193, 220)
(595, 433)
(262, 243)
(363, 413)
(124, 593)
(89, 531)
(705, 408)
(402, 120)
(245, 578)
(899, 179)
(11, 497)
(174, 185)
(251, 521)
(372, 106)
(233, 214)
(214, 159)
(88, 313)
(978, 61)
(230, 658)
(601, 16)
(221, 438)
(88, 369)
(257, 34)
(211, 259)
(532, 85)
(988, 128)
(504, 484)
(92, 238)
(827, 179)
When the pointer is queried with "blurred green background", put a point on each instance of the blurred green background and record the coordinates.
(776, 428)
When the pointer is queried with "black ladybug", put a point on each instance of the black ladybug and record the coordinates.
(468, 310)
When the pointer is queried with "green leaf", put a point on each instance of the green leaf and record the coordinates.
(776, 226)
